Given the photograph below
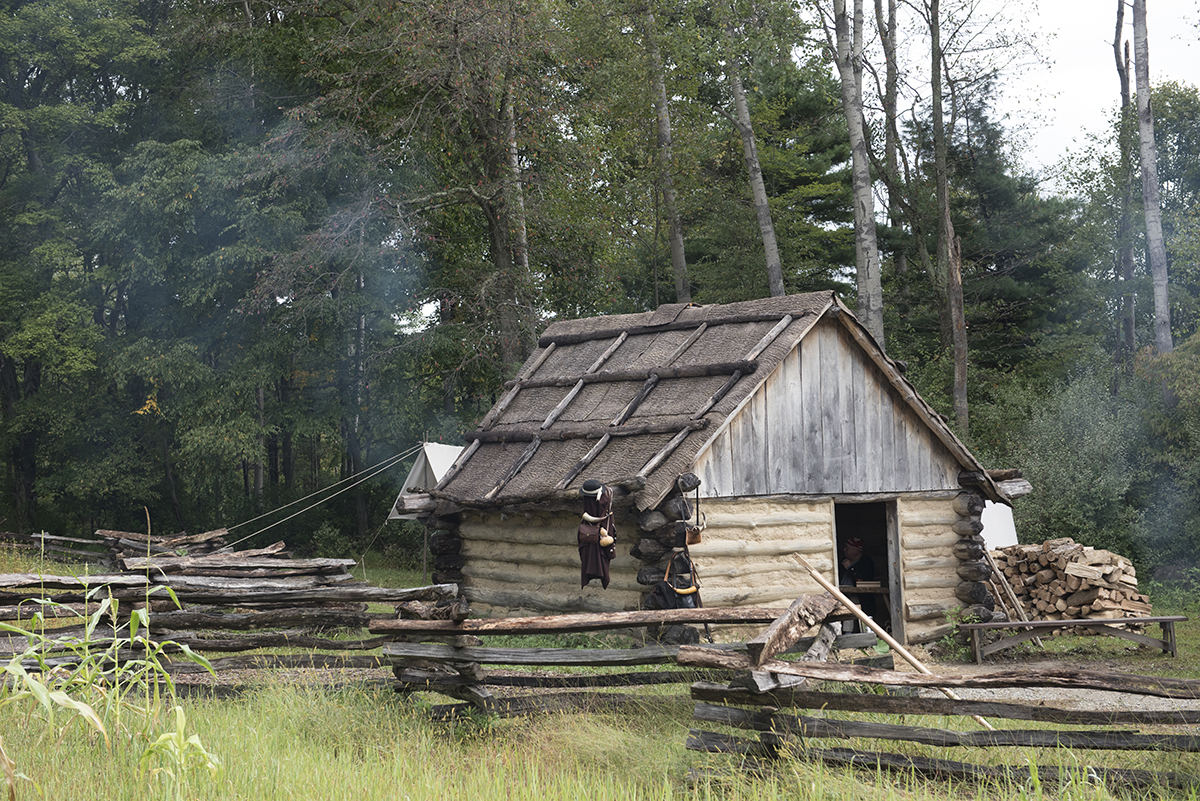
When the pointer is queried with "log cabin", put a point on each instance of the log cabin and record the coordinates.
(779, 423)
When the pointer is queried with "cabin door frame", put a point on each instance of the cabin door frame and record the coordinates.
(882, 534)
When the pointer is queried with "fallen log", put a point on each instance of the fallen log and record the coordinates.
(648, 655)
(560, 624)
(232, 561)
(801, 726)
(707, 656)
(14, 582)
(802, 698)
(948, 769)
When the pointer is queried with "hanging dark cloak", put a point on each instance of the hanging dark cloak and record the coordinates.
(594, 557)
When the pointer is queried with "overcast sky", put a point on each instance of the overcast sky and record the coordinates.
(1079, 90)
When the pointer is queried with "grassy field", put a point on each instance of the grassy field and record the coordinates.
(292, 740)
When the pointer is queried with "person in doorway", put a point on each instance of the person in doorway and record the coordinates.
(857, 566)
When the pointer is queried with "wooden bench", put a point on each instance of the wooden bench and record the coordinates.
(1028, 629)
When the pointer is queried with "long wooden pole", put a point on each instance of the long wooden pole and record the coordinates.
(880, 632)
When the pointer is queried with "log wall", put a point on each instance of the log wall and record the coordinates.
(746, 557)
(928, 565)
(526, 564)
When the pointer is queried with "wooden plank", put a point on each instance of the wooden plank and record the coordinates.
(803, 698)
(900, 477)
(565, 624)
(778, 441)
(833, 454)
(828, 728)
(814, 447)
(697, 656)
(792, 409)
(754, 455)
(853, 410)
(895, 572)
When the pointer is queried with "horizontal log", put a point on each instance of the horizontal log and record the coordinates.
(933, 581)
(1015, 488)
(702, 656)
(641, 374)
(296, 638)
(560, 603)
(564, 624)
(178, 564)
(589, 701)
(929, 611)
(181, 583)
(12, 582)
(648, 655)
(678, 325)
(828, 728)
(1017, 775)
(281, 661)
(334, 594)
(968, 504)
(568, 431)
(912, 705)
(627, 679)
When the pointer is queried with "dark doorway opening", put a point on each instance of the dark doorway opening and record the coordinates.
(864, 527)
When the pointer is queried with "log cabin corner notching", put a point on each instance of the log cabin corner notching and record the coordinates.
(801, 429)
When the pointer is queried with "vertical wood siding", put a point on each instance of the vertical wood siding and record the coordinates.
(825, 422)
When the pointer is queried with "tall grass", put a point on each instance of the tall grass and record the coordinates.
(287, 740)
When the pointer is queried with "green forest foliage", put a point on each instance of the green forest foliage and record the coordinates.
(250, 250)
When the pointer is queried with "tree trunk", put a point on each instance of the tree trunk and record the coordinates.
(1125, 223)
(662, 113)
(169, 475)
(1155, 249)
(23, 451)
(949, 261)
(891, 132)
(847, 52)
(758, 190)
(262, 445)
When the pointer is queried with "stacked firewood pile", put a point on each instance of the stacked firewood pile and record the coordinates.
(107, 547)
(226, 602)
(1061, 579)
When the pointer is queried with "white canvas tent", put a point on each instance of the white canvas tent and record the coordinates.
(432, 463)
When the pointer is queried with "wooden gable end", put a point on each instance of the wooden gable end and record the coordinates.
(825, 421)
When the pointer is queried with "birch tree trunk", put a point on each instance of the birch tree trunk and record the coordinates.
(762, 209)
(1125, 223)
(847, 50)
(1155, 249)
(662, 113)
